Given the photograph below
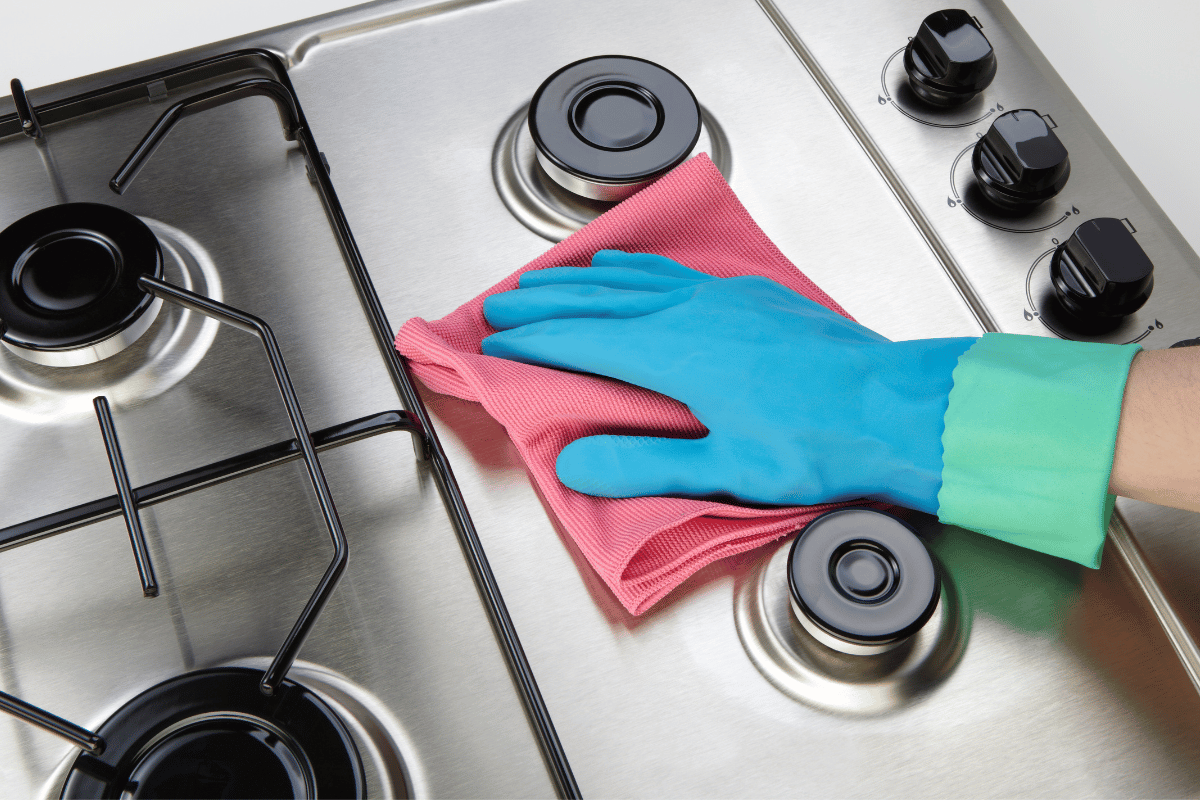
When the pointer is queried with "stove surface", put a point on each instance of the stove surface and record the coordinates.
(1040, 678)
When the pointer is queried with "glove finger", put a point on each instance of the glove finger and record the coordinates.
(647, 262)
(598, 346)
(527, 306)
(638, 466)
(612, 277)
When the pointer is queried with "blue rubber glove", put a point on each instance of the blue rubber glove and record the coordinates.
(802, 405)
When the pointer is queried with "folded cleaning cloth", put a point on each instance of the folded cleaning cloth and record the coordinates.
(642, 547)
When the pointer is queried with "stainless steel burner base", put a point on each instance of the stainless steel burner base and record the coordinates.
(172, 343)
(545, 207)
(803, 668)
(90, 354)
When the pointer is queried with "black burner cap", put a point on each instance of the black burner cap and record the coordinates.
(68, 275)
(863, 576)
(614, 119)
(212, 733)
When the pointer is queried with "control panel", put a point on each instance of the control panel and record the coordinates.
(1034, 215)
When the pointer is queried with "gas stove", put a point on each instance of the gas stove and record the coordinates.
(173, 535)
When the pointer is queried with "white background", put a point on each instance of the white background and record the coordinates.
(1135, 64)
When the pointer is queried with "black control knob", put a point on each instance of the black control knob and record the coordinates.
(949, 61)
(1101, 274)
(1019, 162)
(861, 581)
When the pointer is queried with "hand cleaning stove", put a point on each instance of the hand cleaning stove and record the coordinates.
(310, 605)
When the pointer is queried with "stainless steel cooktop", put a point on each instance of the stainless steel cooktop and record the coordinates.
(1037, 677)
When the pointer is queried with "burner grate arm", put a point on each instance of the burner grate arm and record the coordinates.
(29, 121)
(137, 536)
(91, 742)
(251, 324)
(194, 105)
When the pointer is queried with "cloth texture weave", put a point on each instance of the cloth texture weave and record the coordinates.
(641, 547)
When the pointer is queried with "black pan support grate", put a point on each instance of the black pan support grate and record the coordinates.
(32, 121)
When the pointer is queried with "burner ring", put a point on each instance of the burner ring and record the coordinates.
(212, 733)
(68, 283)
(607, 126)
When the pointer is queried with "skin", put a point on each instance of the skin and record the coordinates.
(1157, 457)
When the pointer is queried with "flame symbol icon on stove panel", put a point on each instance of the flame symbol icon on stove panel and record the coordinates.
(882, 100)
(950, 202)
(1028, 316)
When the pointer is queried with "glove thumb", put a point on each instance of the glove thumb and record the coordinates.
(637, 466)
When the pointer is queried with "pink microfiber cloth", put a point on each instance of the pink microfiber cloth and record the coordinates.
(642, 547)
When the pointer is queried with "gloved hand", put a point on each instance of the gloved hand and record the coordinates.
(802, 405)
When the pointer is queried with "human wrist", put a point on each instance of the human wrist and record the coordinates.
(1158, 439)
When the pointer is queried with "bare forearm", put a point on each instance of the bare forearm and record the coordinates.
(1157, 457)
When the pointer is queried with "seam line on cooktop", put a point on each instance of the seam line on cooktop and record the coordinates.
(1131, 556)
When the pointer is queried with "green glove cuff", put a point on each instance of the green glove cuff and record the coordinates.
(1028, 446)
